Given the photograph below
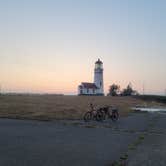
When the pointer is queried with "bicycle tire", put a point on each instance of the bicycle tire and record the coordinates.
(100, 116)
(87, 116)
(115, 116)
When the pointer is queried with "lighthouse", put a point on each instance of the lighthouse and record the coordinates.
(98, 76)
(95, 88)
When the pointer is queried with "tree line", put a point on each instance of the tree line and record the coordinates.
(115, 90)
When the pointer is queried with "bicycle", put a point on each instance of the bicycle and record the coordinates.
(114, 114)
(93, 114)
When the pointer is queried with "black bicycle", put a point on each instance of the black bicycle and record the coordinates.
(93, 114)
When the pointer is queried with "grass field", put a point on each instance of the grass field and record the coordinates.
(50, 107)
(161, 99)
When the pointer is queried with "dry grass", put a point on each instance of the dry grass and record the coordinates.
(49, 107)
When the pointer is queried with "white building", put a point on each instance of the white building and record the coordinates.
(95, 88)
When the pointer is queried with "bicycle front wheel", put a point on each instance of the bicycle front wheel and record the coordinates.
(87, 116)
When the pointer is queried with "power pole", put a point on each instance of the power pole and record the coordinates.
(143, 88)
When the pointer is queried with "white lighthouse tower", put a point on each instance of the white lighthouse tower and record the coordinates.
(95, 88)
(98, 77)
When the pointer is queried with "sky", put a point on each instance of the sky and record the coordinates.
(50, 46)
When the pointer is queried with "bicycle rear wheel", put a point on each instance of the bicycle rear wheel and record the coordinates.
(115, 116)
(87, 116)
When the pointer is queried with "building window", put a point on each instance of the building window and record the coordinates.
(100, 83)
(93, 91)
(87, 90)
(81, 91)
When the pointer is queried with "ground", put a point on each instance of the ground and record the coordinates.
(138, 139)
(152, 151)
(135, 139)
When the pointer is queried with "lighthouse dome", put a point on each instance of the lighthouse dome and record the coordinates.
(98, 64)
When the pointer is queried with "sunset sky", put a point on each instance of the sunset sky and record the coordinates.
(50, 46)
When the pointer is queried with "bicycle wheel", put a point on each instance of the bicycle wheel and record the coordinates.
(115, 116)
(87, 116)
(100, 116)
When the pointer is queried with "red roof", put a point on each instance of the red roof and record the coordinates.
(80, 86)
(89, 85)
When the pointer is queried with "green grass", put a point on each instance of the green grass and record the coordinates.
(138, 141)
